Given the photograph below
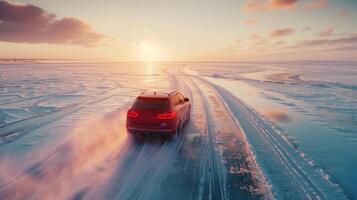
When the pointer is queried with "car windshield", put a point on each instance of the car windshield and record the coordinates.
(151, 103)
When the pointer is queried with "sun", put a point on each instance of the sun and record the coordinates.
(150, 51)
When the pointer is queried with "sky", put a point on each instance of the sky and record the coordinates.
(182, 30)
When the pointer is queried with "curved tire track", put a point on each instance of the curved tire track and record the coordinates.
(291, 175)
(229, 171)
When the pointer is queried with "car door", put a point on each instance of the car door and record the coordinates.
(179, 107)
(184, 106)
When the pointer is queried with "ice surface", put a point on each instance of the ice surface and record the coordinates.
(65, 124)
(318, 101)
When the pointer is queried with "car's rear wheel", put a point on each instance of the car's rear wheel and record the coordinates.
(134, 135)
(175, 135)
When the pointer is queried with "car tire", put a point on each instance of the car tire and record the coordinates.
(175, 135)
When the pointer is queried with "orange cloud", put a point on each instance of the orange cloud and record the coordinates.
(281, 32)
(264, 5)
(316, 4)
(283, 3)
(26, 23)
(251, 22)
(328, 32)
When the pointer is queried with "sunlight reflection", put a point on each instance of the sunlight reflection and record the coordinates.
(150, 71)
(150, 68)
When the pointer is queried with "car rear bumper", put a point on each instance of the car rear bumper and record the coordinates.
(150, 130)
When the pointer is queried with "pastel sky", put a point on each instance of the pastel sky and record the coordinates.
(182, 30)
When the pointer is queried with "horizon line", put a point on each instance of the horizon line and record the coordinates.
(172, 61)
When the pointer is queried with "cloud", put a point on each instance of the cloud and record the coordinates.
(26, 23)
(261, 42)
(350, 47)
(306, 28)
(254, 36)
(281, 32)
(251, 22)
(265, 5)
(343, 13)
(315, 4)
(341, 42)
(328, 32)
(257, 40)
(280, 43)
(282, 3)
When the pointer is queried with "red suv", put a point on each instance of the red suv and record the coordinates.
(162, 112)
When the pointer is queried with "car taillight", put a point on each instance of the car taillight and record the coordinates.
(132, 113)
(169, 115)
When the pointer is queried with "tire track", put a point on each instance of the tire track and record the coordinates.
(183, 178)
(232, 172)
(214, 184)
(278, 156)
(209, 177)
(148, 165)
(12, 131)
(148, 162)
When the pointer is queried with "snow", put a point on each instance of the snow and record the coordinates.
(65, 123)
(321, 125)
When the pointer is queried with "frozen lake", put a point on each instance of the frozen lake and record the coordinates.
(315, 103)
(258, 131)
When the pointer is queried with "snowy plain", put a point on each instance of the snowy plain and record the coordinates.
(257, 131)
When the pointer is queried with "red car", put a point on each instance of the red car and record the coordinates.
(158, 112)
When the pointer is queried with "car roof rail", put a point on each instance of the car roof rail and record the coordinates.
(174, 91)
(143, 92)
(159, 92)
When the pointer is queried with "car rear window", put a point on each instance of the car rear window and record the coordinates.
(151, 103)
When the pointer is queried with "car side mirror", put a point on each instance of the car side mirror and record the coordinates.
(187, 99)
